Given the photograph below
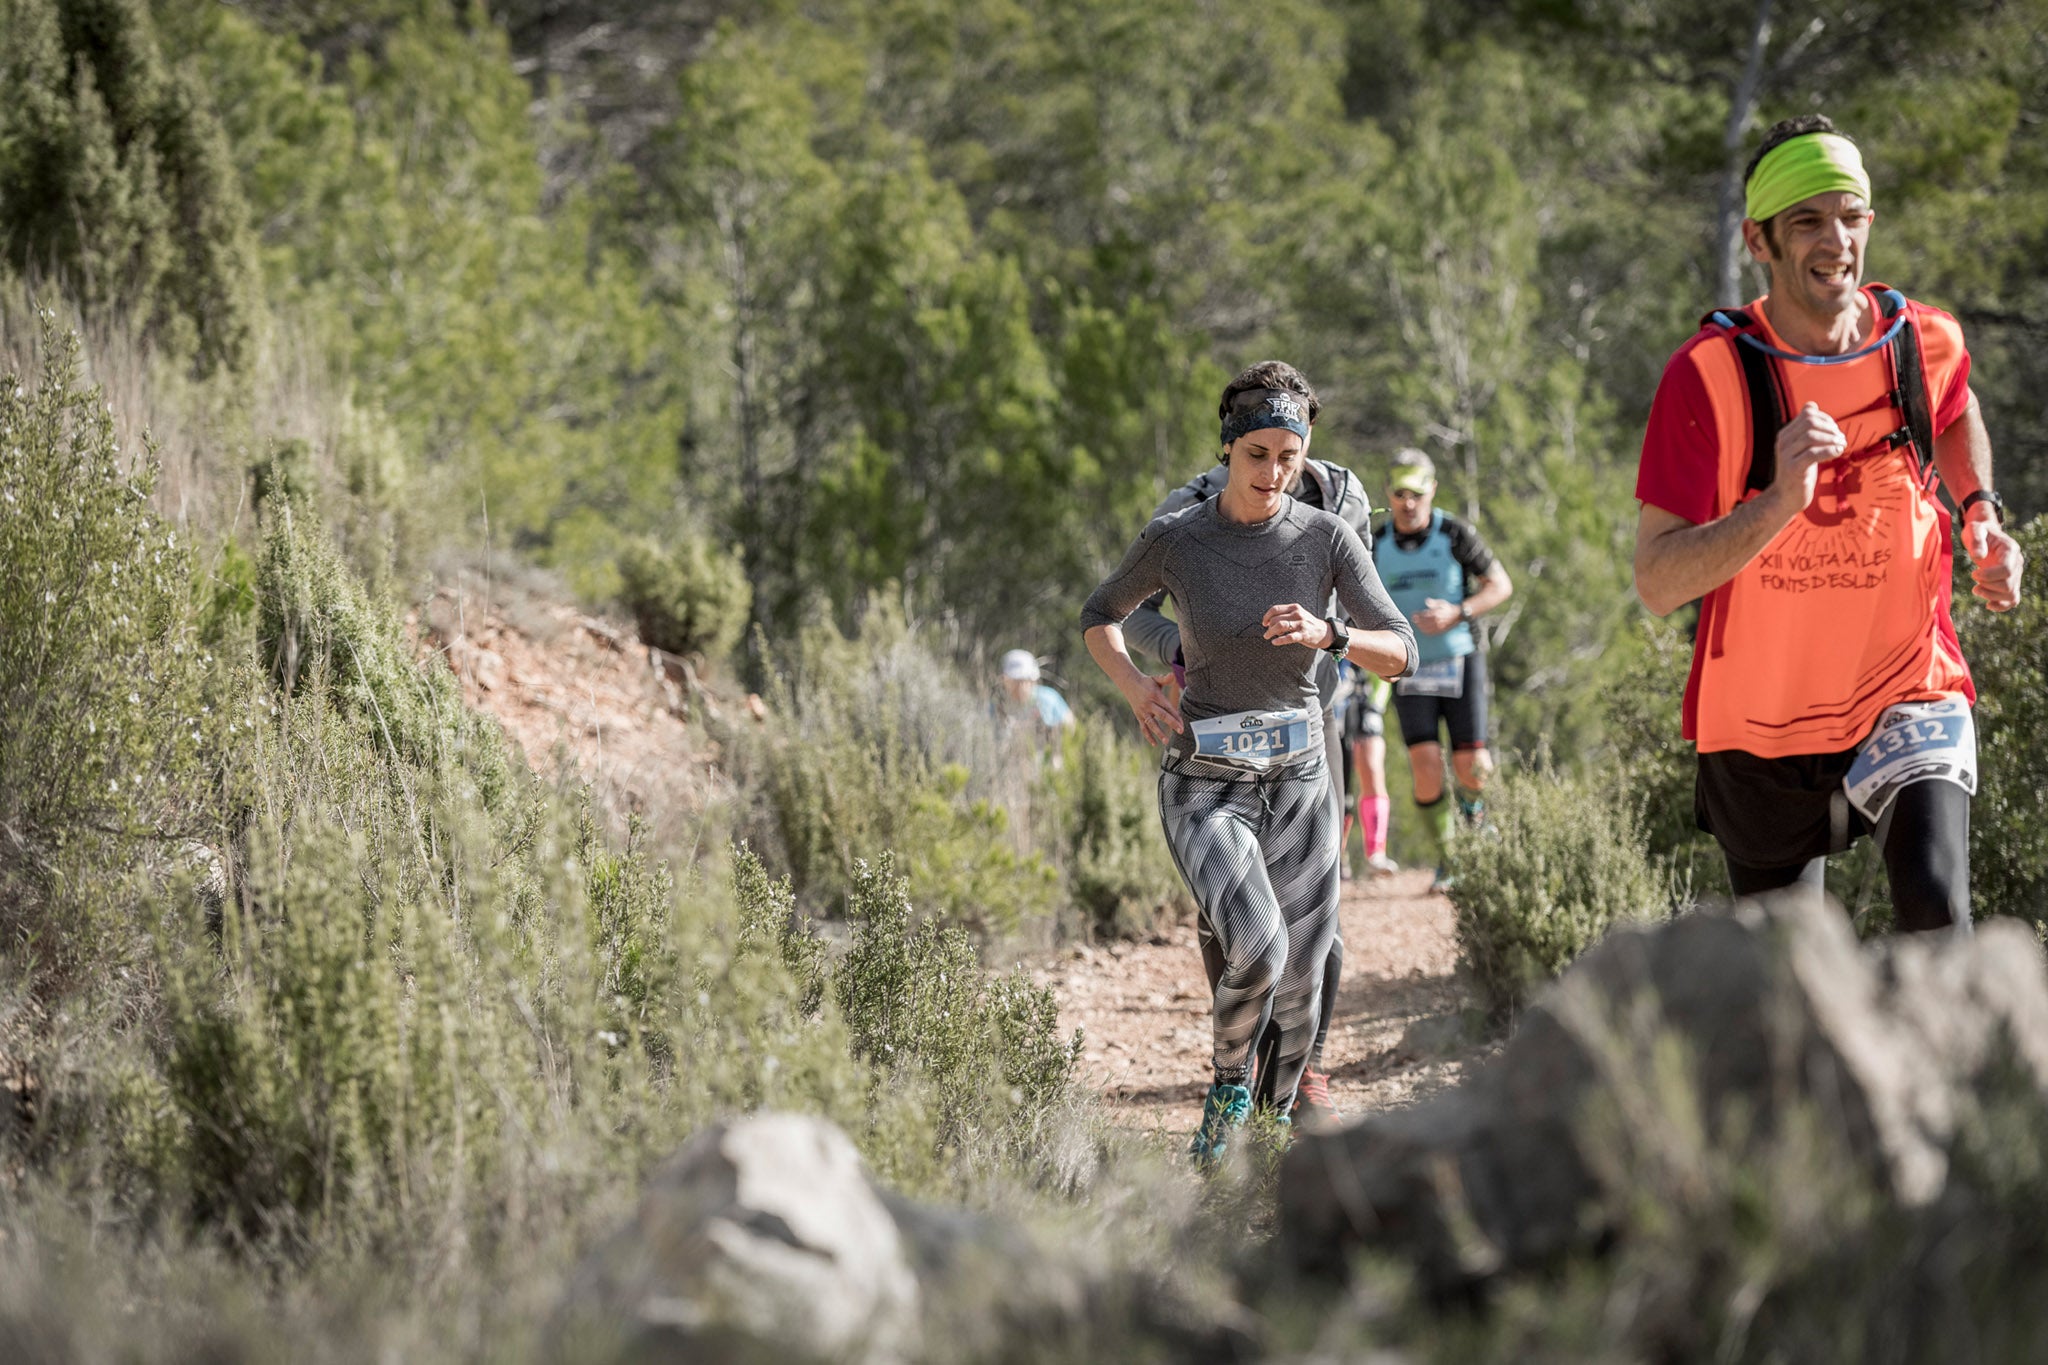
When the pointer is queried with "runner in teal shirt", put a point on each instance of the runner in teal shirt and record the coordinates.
(1441, 575)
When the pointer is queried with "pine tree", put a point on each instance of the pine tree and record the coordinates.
(115, 177)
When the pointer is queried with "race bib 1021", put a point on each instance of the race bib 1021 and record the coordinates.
(1913, 742)
(1254, 739)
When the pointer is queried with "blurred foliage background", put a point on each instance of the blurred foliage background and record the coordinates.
(929, 303)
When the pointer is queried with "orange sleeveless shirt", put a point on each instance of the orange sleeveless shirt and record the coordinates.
(1847, 610)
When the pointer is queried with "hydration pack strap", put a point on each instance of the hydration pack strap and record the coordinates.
(1909, 389)
(1767, 414)
(1330, 495)
(1768, 411)
(1340, 488)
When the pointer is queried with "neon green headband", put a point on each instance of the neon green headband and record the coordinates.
(1813, 163)
(1411, 476)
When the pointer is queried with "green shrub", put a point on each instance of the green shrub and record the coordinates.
(317, 627)
(227, 598)
(307, 1093)
(768, 915)
(2008, 656)
(981, 1051)
(1099, 807)
(876, 743)
(105, 717)
(692, 599)
(425, 1018)
(1562, 860)
(414, 968)
(915, 996)
(1649, 758)
(425, 1006)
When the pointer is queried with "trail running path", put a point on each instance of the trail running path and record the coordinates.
(1144, 1010)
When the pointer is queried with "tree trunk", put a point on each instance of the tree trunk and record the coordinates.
(1741, 109)
(752, 520)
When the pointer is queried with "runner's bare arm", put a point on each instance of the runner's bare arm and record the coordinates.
(1962, 456)
(1147, 697)
(1494, 589)
(1438, 616)
(1678, 561)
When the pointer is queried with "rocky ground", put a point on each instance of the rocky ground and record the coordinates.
(582, 696)
(1398, 1035)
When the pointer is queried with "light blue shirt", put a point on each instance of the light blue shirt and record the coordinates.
(1053, 711)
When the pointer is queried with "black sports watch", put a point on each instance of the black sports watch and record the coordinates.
(1982, 495)
(1340, 638)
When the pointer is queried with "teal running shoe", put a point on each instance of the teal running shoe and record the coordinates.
(1226, 1107)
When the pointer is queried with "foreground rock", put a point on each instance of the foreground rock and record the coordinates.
(760, 1239)
(1743, 1018)
(764, 1240)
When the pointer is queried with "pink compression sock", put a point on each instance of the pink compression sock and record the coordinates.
(1372, 821)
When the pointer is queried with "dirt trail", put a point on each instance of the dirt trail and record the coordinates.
(1144, 1009)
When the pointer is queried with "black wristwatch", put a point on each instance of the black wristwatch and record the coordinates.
(1982, 495)
(1340, 638)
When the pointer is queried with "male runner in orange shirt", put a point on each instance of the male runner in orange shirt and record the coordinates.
(1788, 478)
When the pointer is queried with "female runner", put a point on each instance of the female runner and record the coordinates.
(1243, 785)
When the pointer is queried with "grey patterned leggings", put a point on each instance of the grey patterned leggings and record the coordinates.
(1261, 859)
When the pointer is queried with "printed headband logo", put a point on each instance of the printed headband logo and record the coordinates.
(1272, 408)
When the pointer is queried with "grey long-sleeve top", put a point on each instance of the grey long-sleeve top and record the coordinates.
(1224, 577)
(1331, 487)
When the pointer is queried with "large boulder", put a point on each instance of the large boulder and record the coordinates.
(761, 1239)
(1726, 1024)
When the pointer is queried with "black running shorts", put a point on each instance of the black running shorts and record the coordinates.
(1464, 716)
(1777, 820)
(1363, 720)
(1772, 812)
